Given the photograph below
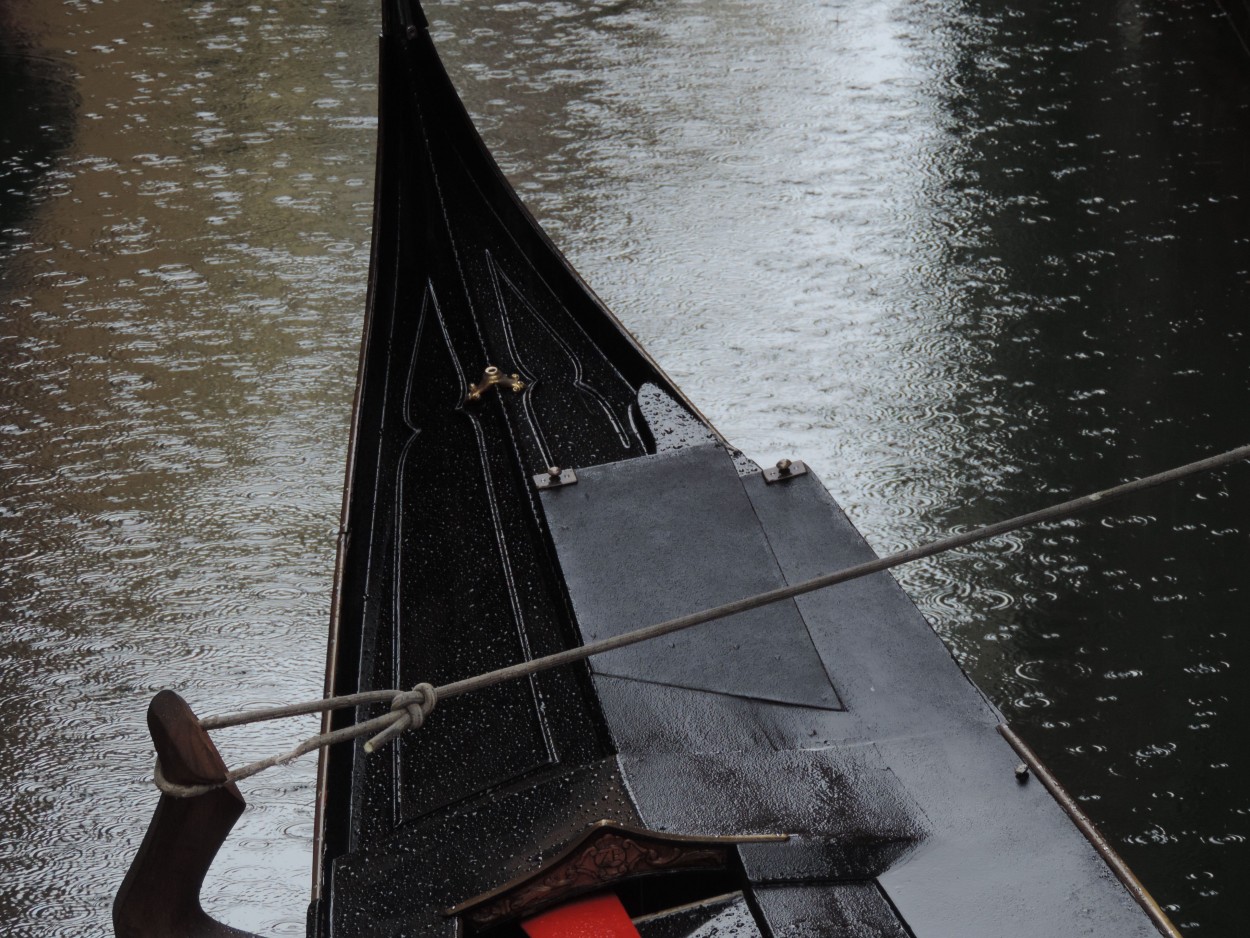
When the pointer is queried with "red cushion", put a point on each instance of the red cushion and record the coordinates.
(599, 916)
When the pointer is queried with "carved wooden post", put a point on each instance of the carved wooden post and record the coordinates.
(160, 896)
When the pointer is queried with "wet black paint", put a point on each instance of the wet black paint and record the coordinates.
(963, 259)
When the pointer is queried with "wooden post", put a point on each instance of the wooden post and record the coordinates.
(160, 896)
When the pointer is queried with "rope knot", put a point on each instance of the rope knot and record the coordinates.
(408, 711)
(419, 702)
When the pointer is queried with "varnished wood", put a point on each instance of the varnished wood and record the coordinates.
(160, 896)
(606, 855)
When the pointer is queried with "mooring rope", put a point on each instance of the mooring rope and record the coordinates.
(410, 708)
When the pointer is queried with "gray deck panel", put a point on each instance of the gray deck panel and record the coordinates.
(1000, 858)
(650, 539)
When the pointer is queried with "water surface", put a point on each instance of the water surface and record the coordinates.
(963, 258)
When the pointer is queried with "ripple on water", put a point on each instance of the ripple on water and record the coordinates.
(839, 227)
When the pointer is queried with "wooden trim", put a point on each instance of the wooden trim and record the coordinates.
(606, 853)
(160, 896)
(1092, 834)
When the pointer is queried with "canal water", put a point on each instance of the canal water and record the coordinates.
(965, 258)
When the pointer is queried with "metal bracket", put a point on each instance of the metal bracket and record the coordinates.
(555, 477)
(491, 377)
(785, 469)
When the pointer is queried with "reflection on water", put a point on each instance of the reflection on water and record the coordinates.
(183, 278)
(963, 258)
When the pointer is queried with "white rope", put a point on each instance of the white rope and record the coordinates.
(409, 709)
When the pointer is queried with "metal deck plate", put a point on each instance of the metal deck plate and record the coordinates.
(650, 539)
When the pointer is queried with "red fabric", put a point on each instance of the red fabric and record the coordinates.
(600, 916)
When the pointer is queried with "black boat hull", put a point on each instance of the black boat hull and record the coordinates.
(524, 479)
(856, 780)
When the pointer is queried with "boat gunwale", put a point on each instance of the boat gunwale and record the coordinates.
(345, 511)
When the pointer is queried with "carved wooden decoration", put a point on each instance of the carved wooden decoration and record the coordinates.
(160, 896)
(608, 854)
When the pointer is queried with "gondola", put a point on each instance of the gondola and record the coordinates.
(523, 478)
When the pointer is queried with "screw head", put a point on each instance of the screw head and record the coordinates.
(783, 466)
(554, 471)
(1022, 773)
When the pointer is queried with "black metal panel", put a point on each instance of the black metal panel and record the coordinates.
(672, 426)
(655, 718)
(999, 857)
(651, 539)
(726, 916)
(816, 796)
(890, 667)
(830, 910)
